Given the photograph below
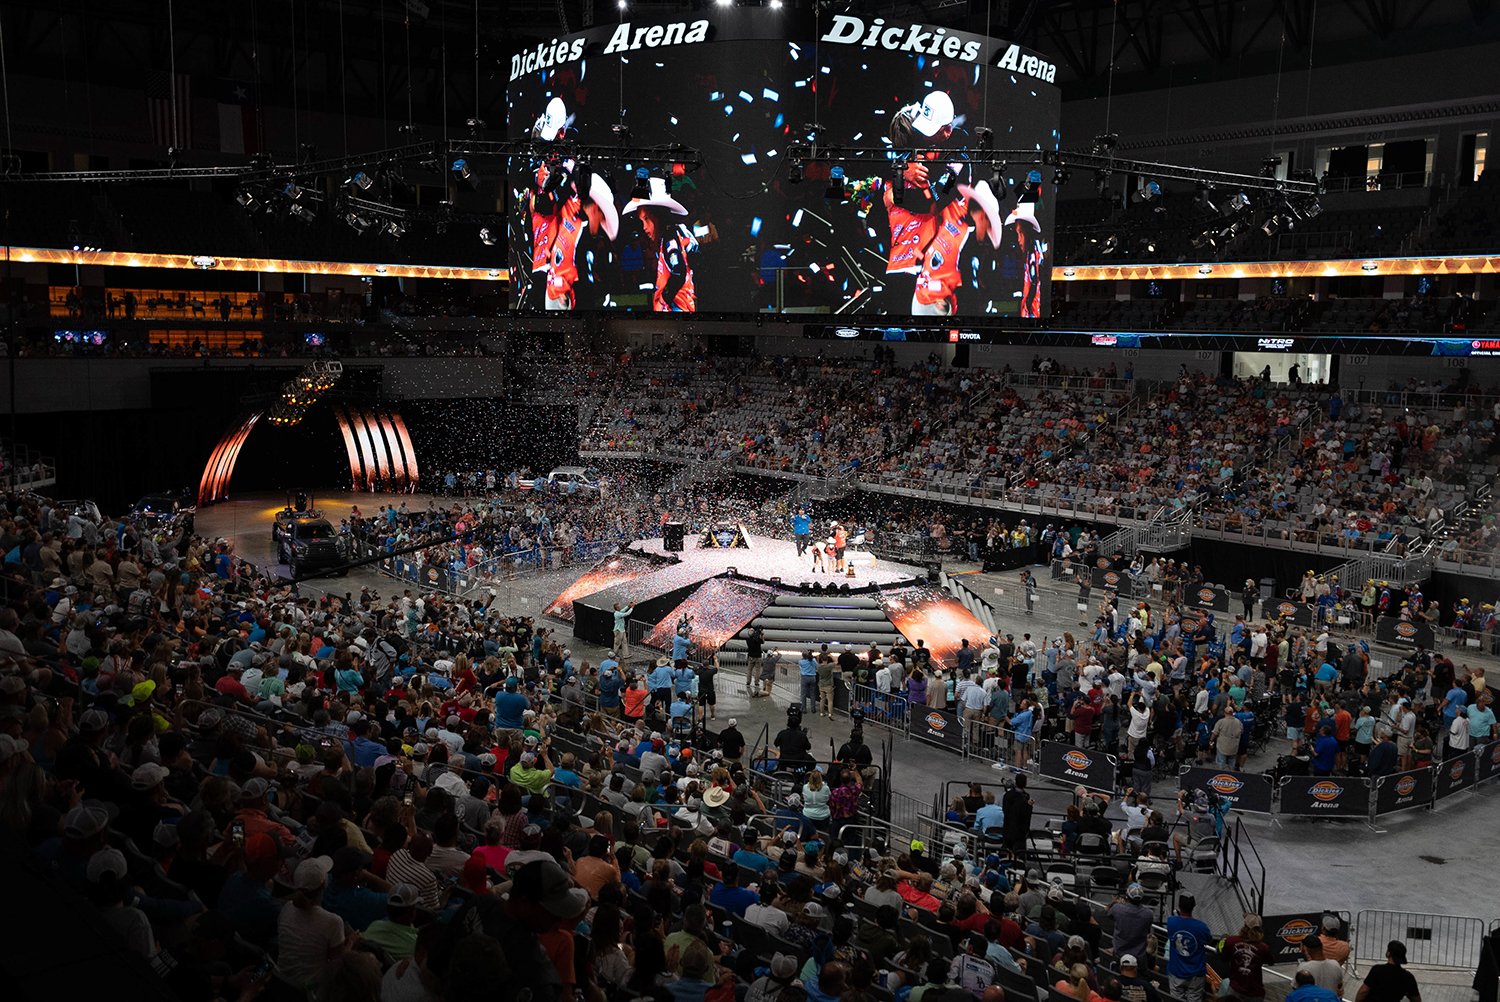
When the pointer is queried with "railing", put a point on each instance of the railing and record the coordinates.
(1384, 181)
(1485, 562)
(457, 578)
(1078, 382)
(1432, 941)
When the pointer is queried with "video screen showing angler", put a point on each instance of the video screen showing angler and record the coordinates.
(926, 224)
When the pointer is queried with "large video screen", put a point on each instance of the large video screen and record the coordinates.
(720, 609)
(927, 613)
(742, 233)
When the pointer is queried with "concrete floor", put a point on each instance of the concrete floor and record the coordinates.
(1420, 862)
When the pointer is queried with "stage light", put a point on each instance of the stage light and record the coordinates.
(1106, 141)
(1239, 203)
(835, 190)
(1146, 193)
(359, 224)
(999, 184)
(361, 180)
(395, 229)
(642, 187)
(794, 172)
(1204, 239)
(248, 201)
(622, 4)
(947, 184)
(1202, 202)
(1030, 187)
(293, 191)
(486, 237)
(462, 177)
(303, 214)
(1110, 245)
(775, 4)
(1311, 210)
(898, 182)
(986, 138)
(1149, 243)
(1061, 176)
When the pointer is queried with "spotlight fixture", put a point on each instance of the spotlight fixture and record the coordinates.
(1311, 209)
(476, 125)
(361, 180)
(302, 213)
(1204, 239)
(248, 201)
(1272, 226)
(794, 171)
(1147, 192)
(986, 138)
(1030, 187)
(1201, 200)
(642, 187)
(1110, 245)
(411, 132)
(395, 229)
(463, 178)
(359, 224)
(999, 183)
(835, 190)
(294, 191)
(174, 158)
(1239, 203)
(1061, 176)
(486, 237)
(948, 182)
(622, 134)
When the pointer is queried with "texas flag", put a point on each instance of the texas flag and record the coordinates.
(239, 118)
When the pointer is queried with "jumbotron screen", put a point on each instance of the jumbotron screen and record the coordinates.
(742, 234)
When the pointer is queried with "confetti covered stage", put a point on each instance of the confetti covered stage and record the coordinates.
(677, 576)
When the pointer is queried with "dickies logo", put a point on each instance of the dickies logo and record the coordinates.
(1077, 760)
(1111, 579)
(1326, 791)
(1225, 784)
(1406, 630)
(1102, 563)
(1287, 609)
(1456, 770)
(1205, 595)
(1495, 753)
(1296, 930)
(936, 721)
(432, 575)
(1405, 785)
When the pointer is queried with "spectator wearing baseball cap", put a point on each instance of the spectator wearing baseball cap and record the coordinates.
(254, 814)
(396, 933)
(108, 881)
(308, 935)
(246, 896)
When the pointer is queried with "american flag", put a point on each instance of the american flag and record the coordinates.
(159, 93)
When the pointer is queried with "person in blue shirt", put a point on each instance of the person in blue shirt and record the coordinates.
(364, 751)
(1021, 725)
(1247, 728)
(1307, 991)
(680, 646)
(728, 895)
(1325, 752)
(1481, 720)
(659, 681)
(807, 670)
(682, 713)
(749, 855)
(682, 678)
(801, 530)
(990, 815)
(1326, 674)
(610, 684)
(1187, 959)
(565, 774)
(509, 706)
(1453, 705)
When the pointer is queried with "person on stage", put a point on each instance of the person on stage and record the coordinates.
(840, 542)
(817, 559)
(801, 530)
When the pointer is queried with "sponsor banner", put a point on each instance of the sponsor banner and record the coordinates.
(433, 577)
(1107, 577)
(1456, 774)
(942, 727)
(1403, 791)
(1285, 933)
(1245, 791)
(1093, 770)
(1216, 599)
(1325, 796)
(1395, 633)
(1488, 757)
(1295, 613)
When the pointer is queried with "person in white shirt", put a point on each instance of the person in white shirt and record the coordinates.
(765, 915)
(1140, 720)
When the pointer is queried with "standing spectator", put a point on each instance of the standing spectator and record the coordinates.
(1390, 981)
(1187, 955)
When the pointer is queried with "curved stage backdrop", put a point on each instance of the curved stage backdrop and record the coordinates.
(740, 234)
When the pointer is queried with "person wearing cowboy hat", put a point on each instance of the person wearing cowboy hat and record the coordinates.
(588, 210)
(674, 278)
(940, 277)
(1031, 249)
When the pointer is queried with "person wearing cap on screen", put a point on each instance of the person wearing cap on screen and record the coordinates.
(546, 200)
(913, 221)
(673, 292)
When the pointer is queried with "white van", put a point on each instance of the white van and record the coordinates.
(580, 478)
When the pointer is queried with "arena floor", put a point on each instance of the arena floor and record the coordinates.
(1418, 862)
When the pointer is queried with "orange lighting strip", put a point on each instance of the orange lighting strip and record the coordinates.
(393, 447)
(214, 484)
(355, 467)
(190, 262)
(406, 447)
(1473, 264)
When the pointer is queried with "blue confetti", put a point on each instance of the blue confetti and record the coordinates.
(770, 154)
(779, 119)
(747, 97)
(857, 135)
(717, 95)
(921, 62)
(755, 227)
(800, 83)
(747, 158)
(674, 119)
(796, 50)
(769, 94)
(797, 219)
(729, 109)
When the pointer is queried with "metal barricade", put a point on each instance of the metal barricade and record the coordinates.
(879, 707)
(1439, 941)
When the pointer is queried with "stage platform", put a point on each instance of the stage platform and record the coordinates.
(656, 581)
